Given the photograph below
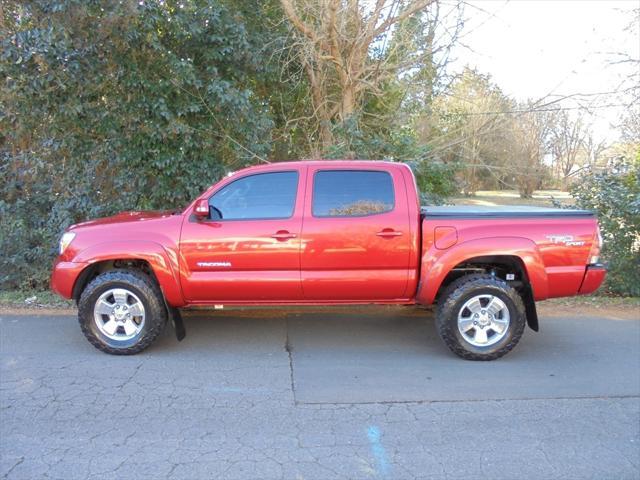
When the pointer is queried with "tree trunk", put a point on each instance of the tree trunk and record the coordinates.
(320, 107)
(348, 101)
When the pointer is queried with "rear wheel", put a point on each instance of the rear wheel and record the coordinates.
(480, 317)
(122, 312)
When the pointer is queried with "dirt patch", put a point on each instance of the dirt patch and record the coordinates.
(13, 310)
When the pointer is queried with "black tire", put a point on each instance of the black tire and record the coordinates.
(145, 288)
(454, 298)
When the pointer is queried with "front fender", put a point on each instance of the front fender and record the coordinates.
(436, 264)
(163, 262)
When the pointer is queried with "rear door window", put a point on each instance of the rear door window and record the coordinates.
(352, 193)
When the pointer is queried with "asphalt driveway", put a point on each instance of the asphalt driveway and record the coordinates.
(321, 394)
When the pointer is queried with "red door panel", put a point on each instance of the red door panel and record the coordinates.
(243, 259)
(362, 257)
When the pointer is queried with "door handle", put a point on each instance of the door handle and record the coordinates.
(388, 232)
(283, 235)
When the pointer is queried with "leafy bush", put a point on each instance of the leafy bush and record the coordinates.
(615, 197)
(435, 179)
(109, 105)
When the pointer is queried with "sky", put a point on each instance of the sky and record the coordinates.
(551, 48)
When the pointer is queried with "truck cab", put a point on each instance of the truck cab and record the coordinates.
(312, 232)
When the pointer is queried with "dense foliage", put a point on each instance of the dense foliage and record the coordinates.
(436, 180)
(119, 105)
(111, 105)
(615, 196)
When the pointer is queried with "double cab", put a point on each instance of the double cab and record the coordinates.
(327, 233)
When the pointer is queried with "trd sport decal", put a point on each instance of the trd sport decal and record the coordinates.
(566, 239)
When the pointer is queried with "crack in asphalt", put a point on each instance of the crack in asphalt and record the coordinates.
(289, 349)
(13, 467)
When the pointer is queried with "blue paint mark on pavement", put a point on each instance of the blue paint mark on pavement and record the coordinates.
(377, 450)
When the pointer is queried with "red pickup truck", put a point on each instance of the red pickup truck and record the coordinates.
(326, 233)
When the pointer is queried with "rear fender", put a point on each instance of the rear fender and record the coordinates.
(436, 264)
(164, 263)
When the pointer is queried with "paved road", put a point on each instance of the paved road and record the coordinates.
(312, 394)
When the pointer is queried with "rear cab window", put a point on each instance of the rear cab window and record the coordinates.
(352, 193)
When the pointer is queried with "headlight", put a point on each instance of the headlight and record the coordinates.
(65, 240)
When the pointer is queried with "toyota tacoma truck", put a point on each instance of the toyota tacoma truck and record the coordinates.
(326, 233)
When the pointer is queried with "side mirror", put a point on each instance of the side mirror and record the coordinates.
(202, 208)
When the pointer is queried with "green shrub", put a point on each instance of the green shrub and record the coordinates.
(108, 106)
(435, 179)
(614, 196)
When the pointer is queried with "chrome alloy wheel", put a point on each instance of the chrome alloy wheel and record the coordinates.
(483, 320)
(119, 314)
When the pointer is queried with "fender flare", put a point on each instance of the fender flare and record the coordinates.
(163, 263)
(436, 264)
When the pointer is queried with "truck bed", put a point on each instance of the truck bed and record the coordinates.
(473, 211)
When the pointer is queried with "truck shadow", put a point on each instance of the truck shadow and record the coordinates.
(359, 328)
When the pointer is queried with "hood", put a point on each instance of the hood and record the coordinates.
(125, 217)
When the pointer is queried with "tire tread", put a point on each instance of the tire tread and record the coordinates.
(152, 294)
(452, 295)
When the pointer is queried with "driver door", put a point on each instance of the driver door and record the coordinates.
(249, 247)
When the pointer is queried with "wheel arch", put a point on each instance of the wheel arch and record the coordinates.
(499, 266)
(148, 257)
(501, 255)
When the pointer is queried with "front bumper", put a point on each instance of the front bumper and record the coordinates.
(593, 278)
(64, 276)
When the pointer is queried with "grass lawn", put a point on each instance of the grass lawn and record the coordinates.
(490, 198)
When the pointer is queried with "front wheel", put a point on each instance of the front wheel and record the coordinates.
(480, 317)
(122, 312)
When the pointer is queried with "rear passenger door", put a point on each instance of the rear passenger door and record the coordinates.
(355, 236)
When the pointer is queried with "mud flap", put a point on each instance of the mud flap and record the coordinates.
(178, 323)
(530, 309)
